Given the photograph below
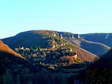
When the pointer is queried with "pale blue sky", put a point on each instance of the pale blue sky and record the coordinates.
(77, 16)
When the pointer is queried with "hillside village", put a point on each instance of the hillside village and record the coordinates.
(60, 53)
(60, 56)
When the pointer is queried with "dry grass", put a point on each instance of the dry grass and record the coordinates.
(5, 48)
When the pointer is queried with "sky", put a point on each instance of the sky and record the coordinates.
(76, 16)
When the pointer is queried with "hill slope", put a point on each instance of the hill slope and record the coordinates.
(43, 38)
(94, 47)
(52, 41)
(5, 48)
(105, 38)
(100, 72)
(94, 44)
(16, 70)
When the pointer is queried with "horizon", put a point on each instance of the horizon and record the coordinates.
(56, 31)
(73, 16)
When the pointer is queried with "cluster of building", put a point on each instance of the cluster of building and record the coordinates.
(47, 56)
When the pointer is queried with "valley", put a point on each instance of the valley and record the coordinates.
(55, 57)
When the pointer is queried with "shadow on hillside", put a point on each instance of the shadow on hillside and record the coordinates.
(15, 70)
